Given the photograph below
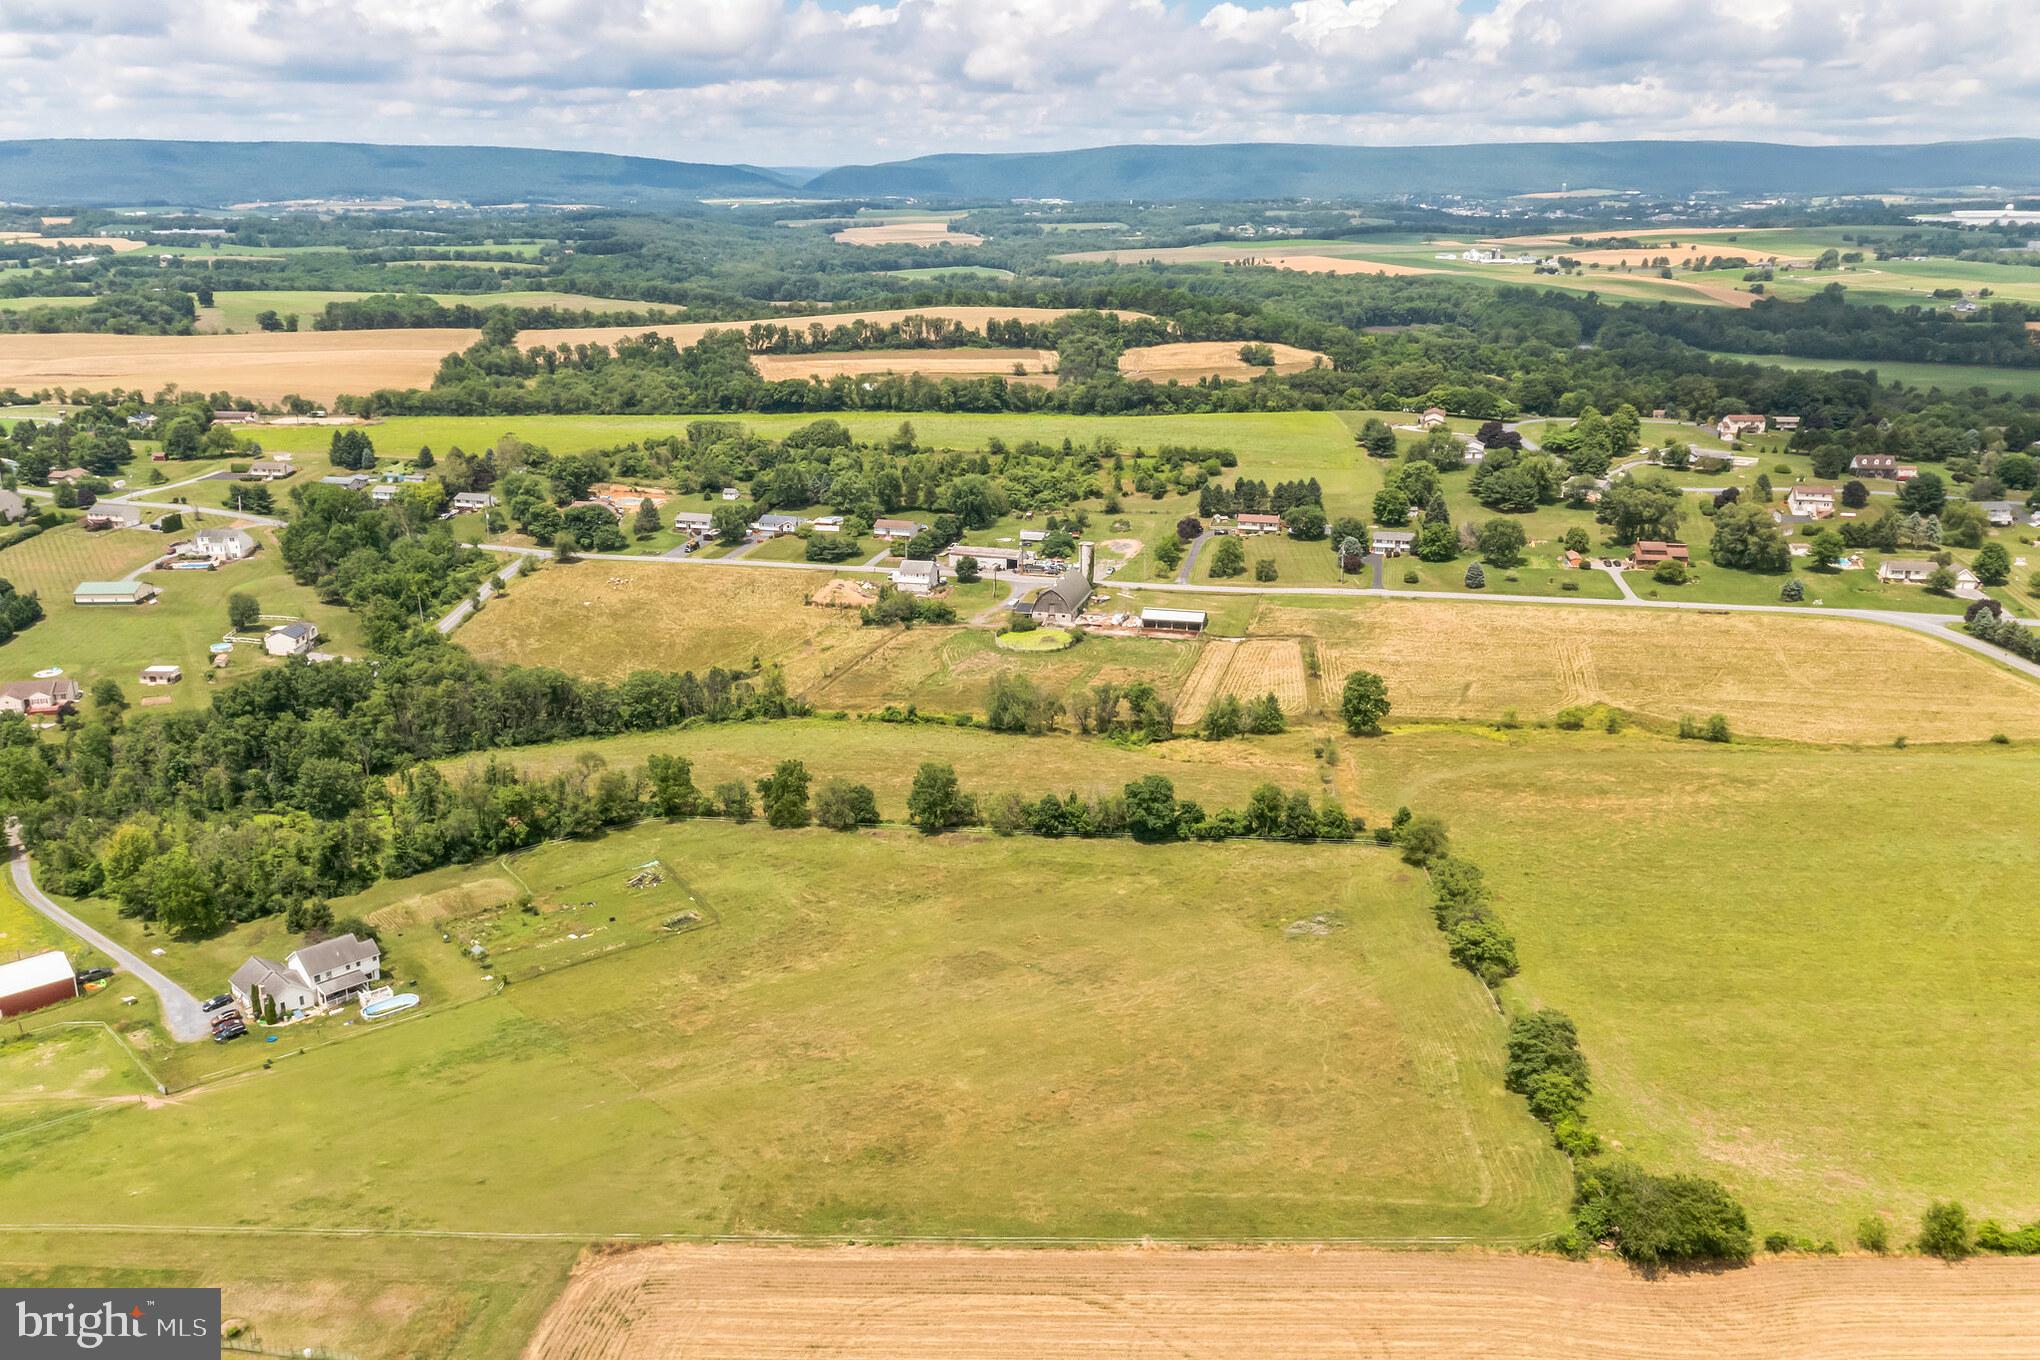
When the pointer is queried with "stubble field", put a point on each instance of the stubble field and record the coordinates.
(898, 1304)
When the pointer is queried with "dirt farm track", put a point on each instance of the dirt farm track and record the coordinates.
(767, 1302)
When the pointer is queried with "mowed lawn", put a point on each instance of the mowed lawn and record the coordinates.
(94, 642)
(882, 1035)
(1807, 973)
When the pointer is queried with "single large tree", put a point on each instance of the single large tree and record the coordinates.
(1364, 702)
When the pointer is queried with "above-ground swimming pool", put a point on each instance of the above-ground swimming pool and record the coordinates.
(389, 1005)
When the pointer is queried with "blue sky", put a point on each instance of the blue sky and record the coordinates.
(810, 82)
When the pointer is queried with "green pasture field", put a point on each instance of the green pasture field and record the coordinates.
(952, 271)
(2020, 382)
(91, 642)
(23, 304)
(882, 1035)
(1801, 971)
(383, 1298)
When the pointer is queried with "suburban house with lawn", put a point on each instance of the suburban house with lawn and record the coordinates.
(73, 475)
(694, 523)
(290, 639)
(36, 981)
(892, 530)
(1874, 465)
(107, 515)
(1062, 603)
(1250, 525)
(316, 975)
(1784, 423)
(1391, 542)
(827, 524)
(1432, 418)
(1917, 572)
(917, 576)
(775, 526)
(1474, 451)
(222, 545)
(270, 470)
(1732, 428)
(1650, 553)
(2000, 514)
(352, 481)
(113, 592)
(44, 697)
(1811, 502)
(472, 502)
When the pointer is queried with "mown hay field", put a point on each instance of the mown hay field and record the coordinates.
(898, 1304)
(1192, 360)
(1805, 679)
(917, 233)
(607, 619)
(1246, 669)
(933, 363)
(884, 756)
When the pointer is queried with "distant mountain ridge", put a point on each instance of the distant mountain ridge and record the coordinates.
(1288, 170)
(216, 174)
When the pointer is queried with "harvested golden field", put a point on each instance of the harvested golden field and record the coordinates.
(1190, 361)
(766, 1302)
(1303, 260)
(1799, 678)
(1642, 257)
(1333, 264)
(607, 619)
(918, 233)
(321, 365)
(935, 363)
(1674, 234)
(1246, 669)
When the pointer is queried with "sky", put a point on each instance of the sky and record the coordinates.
(824, 82)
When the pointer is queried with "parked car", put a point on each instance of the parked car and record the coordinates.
(225, 1018)
(226, 1032)
(95, 975)
(223, 999)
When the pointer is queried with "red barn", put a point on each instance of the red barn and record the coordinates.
(36, 981)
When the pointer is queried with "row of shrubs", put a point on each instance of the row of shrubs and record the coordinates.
(1646, 1218)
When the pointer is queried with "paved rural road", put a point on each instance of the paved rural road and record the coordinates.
(461, 612)
(1190, 557)
(181, 1015)
(271, 520)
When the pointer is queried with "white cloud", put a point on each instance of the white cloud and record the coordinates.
(810, 82)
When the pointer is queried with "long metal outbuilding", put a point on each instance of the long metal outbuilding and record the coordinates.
(36, 981)
(1173, 620)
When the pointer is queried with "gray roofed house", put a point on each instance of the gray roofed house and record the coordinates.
(775, 524)
(271, 469)
(1061, 602)
(2000, 513)
(261, 980)
(316, 975)
(290, 639)
(39, 696)
(694, 522)
(353, 481)
(12, 506)
(468, 501)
